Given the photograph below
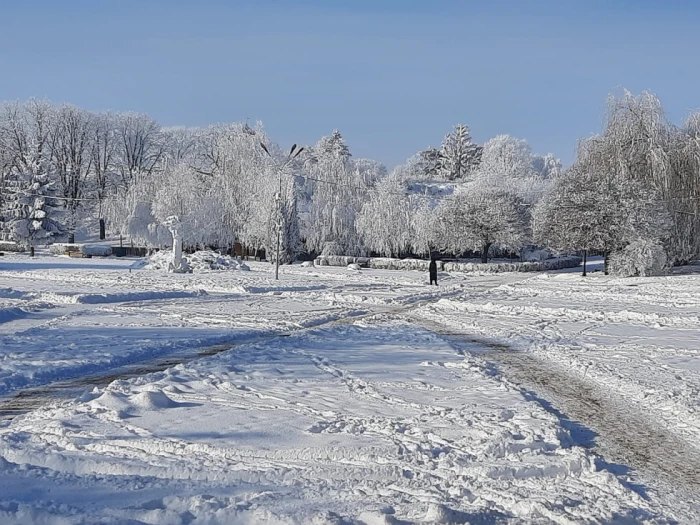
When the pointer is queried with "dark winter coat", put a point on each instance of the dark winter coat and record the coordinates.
(432, 269)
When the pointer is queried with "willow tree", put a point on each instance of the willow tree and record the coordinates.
(641, 147)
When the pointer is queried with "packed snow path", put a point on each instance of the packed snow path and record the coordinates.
(618, 431)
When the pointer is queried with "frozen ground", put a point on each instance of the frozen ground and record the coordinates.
(349, 396)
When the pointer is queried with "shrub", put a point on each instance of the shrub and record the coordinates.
(8, 246)
(96, 250)
(640, 258)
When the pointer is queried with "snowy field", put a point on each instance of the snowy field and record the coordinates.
(347, 397)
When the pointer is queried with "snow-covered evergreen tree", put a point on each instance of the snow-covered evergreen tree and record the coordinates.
(429, 163)
(34, 215)
(458, 155)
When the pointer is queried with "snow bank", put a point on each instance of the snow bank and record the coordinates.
(61, 248)
(502, 267)
(96, 250)
(123, 405)
(200, 261)
(387, 263)
(341, 260)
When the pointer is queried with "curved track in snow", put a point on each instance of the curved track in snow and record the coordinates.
(621, 433)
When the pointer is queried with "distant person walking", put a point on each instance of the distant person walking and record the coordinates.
(432, 270)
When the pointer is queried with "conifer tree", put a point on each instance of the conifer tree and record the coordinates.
(34, 214)
(458, 154)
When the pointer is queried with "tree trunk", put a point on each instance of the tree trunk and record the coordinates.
(102, 229)
(606, 261)
(485, 252)
(584, 262)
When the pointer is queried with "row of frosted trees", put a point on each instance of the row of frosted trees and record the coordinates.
(631, 194)
(63, 168)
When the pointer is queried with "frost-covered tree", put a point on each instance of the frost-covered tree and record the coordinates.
(26, 130)
(428, 164)
(458, 155)
(507, 163)
(574, 216)
(141, 147)
(286, 218)
(182, 195)
(480, 219)
(547, 166)
(337, 188)
(103, 147)
(385, 219)
(423, 225)
(590, 209)
(641, 148)
(70, 144)
(34, 214)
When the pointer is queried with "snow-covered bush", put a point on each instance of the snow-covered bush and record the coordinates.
(535, 254)
(332, 248)
(354, 266)
(61, 248)
(640, 258)
(503, 267)
(340, 260)
(96, 250)
(386, 263)
(8, 246)
(200, 261)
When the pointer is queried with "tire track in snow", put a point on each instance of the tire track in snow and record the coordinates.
(624, 433)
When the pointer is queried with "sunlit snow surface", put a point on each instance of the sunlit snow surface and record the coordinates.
(359, 414)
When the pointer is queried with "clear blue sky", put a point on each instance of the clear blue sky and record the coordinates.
(392, 75)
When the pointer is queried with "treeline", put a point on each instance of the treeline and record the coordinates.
(632, 192)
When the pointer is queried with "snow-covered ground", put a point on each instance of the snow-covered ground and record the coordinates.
(347, 397)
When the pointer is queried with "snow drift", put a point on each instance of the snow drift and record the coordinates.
(200, 261)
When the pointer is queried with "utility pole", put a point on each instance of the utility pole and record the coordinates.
(293, 153)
